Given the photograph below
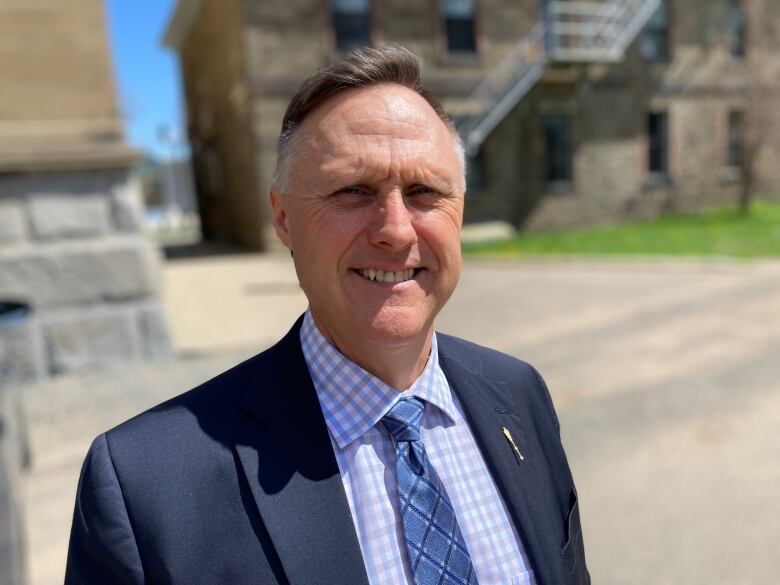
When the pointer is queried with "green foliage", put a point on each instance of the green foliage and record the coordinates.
(719, 232)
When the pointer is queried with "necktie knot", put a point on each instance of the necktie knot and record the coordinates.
(403, 419)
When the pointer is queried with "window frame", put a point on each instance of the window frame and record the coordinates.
(370, 32)
(736, 30)
(564, 182)
(735, 140)
(665, 54)
(476, 164)
(662, 175)
(455, 56)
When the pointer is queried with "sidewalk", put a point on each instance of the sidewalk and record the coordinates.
(221, 303)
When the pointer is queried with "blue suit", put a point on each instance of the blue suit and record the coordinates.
(236, 481)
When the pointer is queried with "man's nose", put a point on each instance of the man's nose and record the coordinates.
(393, 227)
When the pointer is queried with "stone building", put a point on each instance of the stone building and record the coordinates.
(575, 113)
(70, 210)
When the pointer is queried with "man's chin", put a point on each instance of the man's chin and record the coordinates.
(395, 330)
(385, 327)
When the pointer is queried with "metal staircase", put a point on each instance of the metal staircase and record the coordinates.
(580, 31)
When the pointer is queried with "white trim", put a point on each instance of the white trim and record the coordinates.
(180, 23)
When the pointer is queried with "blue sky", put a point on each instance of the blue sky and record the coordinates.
(147, 74)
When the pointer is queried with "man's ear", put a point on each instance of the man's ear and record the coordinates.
(280, 220)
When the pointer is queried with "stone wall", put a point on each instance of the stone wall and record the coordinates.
(71, 247)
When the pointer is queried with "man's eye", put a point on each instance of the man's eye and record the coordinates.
(352, 191)
(420, 190)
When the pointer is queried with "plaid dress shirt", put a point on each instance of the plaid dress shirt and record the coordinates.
(353, 402)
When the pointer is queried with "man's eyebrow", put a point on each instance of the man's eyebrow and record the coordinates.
(362, 178)
(438, 179)
(341, 172)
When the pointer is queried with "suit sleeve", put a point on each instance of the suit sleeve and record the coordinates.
(102, 547)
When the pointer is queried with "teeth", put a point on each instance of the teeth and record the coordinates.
(387, 276)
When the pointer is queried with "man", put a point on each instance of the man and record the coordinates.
(362, 448)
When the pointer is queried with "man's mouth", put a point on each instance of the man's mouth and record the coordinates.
(388, 276)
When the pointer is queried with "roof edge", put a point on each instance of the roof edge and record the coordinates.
(180, 23)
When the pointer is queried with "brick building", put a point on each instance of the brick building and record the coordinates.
(575, 113)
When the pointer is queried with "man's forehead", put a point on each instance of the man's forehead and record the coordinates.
(374, 111)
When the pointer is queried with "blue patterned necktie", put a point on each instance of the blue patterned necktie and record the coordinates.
(437, 552)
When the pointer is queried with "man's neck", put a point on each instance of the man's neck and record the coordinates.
(397, 365)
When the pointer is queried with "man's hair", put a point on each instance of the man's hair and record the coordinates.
(363, 67)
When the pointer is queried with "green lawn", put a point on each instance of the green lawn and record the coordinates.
(720, 232)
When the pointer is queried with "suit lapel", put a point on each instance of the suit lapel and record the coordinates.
(488, 409)
(287, 458)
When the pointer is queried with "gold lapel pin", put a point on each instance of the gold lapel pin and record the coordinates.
(509, 438)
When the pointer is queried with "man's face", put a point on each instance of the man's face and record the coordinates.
(373, 215)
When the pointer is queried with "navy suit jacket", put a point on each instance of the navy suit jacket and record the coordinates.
(236, 482)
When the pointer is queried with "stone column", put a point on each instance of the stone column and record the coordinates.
(71, 243)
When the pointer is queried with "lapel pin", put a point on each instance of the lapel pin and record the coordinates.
(509, 438)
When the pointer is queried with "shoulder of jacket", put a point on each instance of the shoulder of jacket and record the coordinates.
(505, 370)
(475, 357)
(213, 397)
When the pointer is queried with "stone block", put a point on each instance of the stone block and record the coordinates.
(127, 207)
(154, 340)
(64, 215)
(84, 340)
(13, 222)
(125, 272)
(80, 273)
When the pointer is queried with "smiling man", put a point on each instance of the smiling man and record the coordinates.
(363, 447)
(371, 204)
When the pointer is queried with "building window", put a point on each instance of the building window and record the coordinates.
(654, 41)
(557, 148)
(736, 29)
(475, 173)
(657, 144)
(459, 26)
(351, 23)
(735, 141)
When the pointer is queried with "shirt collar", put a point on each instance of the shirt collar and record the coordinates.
(354, 400)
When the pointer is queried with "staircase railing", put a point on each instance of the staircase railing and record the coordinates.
(503, 88)
(569, 31)
(595, 30)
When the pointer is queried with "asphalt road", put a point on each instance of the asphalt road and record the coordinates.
(666, 376)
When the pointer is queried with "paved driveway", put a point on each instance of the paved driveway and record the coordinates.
(666, 376)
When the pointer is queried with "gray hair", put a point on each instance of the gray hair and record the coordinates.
(361, 68)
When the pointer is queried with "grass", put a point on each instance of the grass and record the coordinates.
(718, 232)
